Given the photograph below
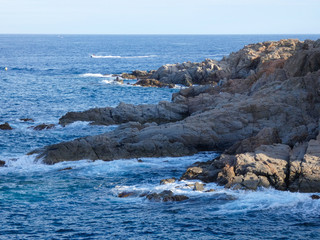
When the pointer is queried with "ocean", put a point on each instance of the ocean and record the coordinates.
(49, 75)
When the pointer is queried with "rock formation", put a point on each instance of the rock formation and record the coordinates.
(264, 113)
(5, 126)
(241, 64)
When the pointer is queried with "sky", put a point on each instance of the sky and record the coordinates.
(160, 16)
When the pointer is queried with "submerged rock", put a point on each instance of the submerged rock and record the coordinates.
(2, 163)
(5, 126)
(65, 169)
(166, 196)
(126, 194)
(43, 127)
(167, 181)
(315, 197)
(26, 119)
(198, 187)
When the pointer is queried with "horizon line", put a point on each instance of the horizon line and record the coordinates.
(159, 33)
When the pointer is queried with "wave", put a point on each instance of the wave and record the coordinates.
(125, 57)
(99, 75)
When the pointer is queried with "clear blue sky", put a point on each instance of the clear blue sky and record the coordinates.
(160, 16)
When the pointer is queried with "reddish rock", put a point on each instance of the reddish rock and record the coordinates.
(125, 194)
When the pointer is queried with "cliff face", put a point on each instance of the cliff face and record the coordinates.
(269, 94)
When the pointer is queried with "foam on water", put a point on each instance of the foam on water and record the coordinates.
(96, 75)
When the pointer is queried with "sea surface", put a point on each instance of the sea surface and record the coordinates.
(49, 75)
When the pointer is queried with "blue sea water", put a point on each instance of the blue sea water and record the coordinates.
(49, 75)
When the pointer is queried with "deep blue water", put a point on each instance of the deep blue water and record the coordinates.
(49, 75)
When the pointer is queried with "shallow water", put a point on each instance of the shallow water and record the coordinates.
(50, 75)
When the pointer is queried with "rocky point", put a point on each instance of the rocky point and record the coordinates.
(259, 106)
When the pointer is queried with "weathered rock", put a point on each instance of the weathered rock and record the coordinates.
(266, 167)
(315, 197)
(167, 181)
(65, 169)
(128, 76)
(141, 74)
(2, 163)
(266, 136)
(166, 196)
(188, 73)
(305, 171)
(126, 194)
(248, 60)
(123, 113)
(153, 83)
(270, 106)
(198, 187)
(5, 126)
(43, 127)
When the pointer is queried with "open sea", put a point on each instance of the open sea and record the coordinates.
(49, 75)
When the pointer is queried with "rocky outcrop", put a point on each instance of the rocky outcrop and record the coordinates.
(266, 123)
(248, 61)
(153, 83)
(123, 113)
(2, 163)
(5, 126)
(189, 73)
(277, 165)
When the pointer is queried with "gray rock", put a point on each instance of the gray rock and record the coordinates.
(166, 196)
(123, 113)
(270, 106)
(43, 127)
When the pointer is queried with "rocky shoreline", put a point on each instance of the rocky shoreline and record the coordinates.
(259, 106)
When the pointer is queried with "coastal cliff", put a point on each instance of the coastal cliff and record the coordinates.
(260, 106)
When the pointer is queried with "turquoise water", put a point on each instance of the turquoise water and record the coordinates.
(49, 75)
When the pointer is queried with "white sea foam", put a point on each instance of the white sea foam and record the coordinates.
(111, 81)
(97, 75)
